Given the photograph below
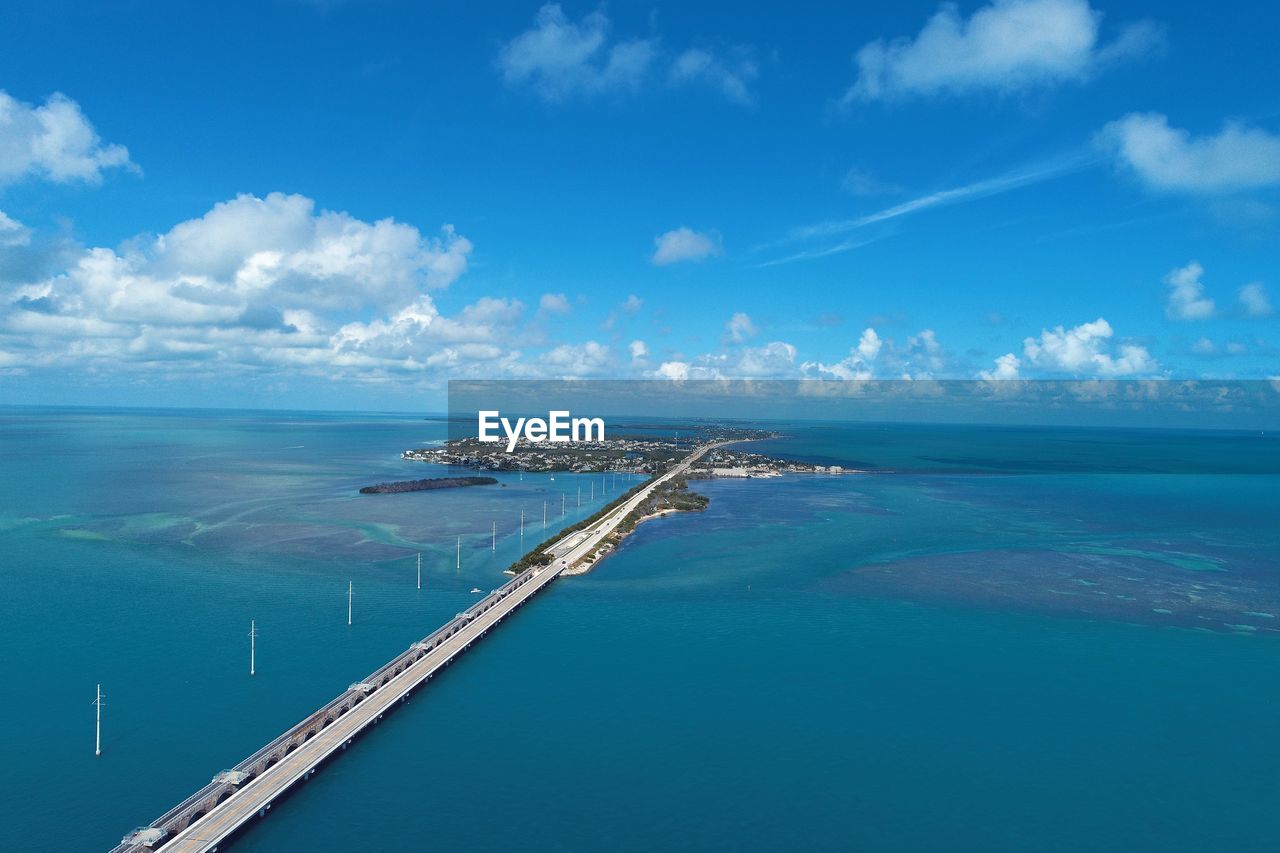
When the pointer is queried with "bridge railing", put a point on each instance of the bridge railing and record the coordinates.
(213, 790)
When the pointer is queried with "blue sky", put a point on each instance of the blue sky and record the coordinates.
(344, 204)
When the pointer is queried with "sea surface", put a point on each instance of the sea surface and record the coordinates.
(999, 640)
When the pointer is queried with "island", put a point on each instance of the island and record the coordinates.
(426, 485)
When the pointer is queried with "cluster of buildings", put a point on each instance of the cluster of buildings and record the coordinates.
(630, 454)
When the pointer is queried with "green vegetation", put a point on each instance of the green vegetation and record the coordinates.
(672, 496)
(539, 557)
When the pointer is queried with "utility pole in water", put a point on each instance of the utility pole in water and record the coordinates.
(419, 570)
(97, 726)
(458, 563)
(253, 637)
(349, 588)
(494, 546)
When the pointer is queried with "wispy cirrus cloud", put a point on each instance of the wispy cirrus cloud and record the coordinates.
(985, 188)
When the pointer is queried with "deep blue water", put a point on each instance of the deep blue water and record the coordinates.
(901, 661)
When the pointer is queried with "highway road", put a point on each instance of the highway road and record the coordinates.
(256, 796)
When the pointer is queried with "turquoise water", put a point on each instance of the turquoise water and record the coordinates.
(890, 662)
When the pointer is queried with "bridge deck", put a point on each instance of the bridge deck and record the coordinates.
(207, 818)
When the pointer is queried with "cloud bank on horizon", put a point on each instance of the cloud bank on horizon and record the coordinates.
(280, 286)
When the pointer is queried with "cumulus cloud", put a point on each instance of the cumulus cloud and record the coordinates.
(1086, 350)
(1204, 346)
(675, 370)
(575, 360)
(639, 351)
(554, 303)
(856, 365)
(1007, 46)
(924, 355)
(774, 360)
(253, 282)
(684, 244)
(1007, 367)
(633, 304)
(869, 344)
(558, 59)
(739, 328)
(12, 232)
(730, 77)
(54, 141)
(1238, 157)
(1253, 297)
(1186, 294)
(873, 356)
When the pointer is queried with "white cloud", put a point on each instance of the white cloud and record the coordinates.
(731, 78)
(573, 360)
(54, 141)
(554, 303)
(856, 365)
(255, 282)
(774, 360)
(684, 244)
(1239, 157)
(920, 358)
(1007, 182)
(12, 232)
(677, 370)
(558, 58)
(1254, 299)
(1204, 346)
(740, 328)
(1009, 45)
(924, 355)
(639, 351)
(869, 344)
(1186, 294)
(633, 304)
(1006, 367)
(1086, 350)
(860, 182)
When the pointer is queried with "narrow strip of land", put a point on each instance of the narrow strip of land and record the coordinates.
(207, 818)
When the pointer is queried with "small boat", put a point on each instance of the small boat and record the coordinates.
(476, 589)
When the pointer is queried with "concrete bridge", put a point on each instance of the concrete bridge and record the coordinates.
(236, 796)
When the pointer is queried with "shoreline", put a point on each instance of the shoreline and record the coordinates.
(585, 568)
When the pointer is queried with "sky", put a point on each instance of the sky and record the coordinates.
(346, 203)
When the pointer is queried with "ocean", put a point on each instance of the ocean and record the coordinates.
(1002, 640)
